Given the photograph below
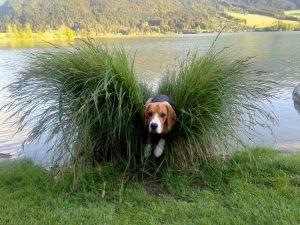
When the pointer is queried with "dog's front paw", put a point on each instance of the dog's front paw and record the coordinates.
(147, 151)
(159, 148)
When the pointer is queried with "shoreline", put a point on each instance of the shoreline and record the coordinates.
(5, 39)
(6, 43)
(290, 148)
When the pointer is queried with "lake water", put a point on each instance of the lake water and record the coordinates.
(276, 53)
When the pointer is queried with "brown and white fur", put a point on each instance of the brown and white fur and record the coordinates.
(159, 119)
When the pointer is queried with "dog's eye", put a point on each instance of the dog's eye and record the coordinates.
(162, 115)
(150, 114)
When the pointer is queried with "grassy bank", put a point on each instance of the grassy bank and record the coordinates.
(255, 187)
(17, 37)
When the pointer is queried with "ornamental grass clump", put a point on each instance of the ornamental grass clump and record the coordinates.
(217, 98)
(89, 103)
(86, 100)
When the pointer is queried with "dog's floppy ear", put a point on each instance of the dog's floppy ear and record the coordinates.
(146, 112)
(148, 102)
(146, 116)
(171, 117)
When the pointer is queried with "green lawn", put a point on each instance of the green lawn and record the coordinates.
(254, 187)
(295, 13)
(259, 21)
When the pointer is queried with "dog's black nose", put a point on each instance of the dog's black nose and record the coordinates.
(153, 126)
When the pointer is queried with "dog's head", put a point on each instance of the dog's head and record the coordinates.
(159, 117)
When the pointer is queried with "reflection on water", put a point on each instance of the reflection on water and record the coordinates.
(10, 139)
(26, 44)
(288, 128)
(276, 53)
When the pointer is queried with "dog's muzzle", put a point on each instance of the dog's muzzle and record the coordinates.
(155, 126)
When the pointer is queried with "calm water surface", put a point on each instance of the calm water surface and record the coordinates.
(276, 53)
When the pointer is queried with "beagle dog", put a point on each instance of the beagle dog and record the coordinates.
(159, 119)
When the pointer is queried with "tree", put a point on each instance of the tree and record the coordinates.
(28, 31)
(66, 31)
